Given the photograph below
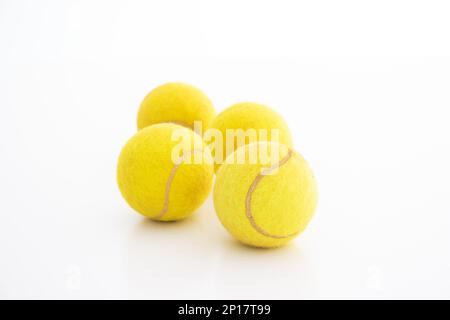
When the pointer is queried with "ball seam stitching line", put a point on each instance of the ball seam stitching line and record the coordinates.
(173, 171)
(248, 199)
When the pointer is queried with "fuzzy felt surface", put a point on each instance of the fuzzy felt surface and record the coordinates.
(178, 103)
(156, 186)
(265, 210)
(245, 116)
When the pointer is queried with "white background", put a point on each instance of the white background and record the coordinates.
(364, 86)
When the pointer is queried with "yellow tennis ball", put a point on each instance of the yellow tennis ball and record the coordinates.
(165, 172)
(267, 196)
(178, 103)
(244, 123)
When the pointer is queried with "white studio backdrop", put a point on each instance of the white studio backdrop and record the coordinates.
(364, 86)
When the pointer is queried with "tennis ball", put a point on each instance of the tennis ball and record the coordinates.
(244, 123)
(267, 198)
(165, 172)
(178, 103)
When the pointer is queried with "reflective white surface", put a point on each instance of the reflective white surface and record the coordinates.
(364, 88)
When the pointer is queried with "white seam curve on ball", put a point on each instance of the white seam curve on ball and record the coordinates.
(248, 199)
(180, 160)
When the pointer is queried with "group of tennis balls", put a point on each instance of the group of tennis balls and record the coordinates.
(261, 203)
